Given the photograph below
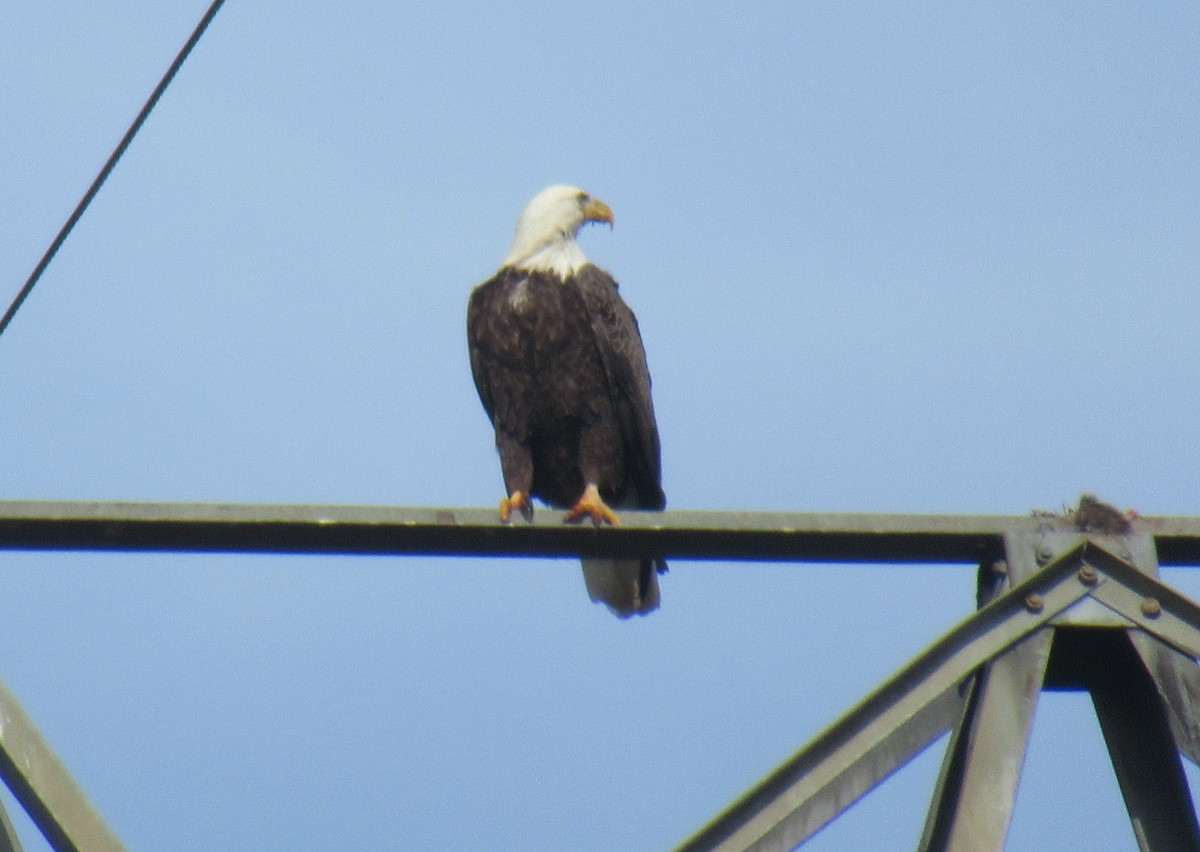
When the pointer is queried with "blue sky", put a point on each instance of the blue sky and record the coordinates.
(923, 258)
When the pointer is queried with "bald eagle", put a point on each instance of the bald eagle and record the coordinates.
(560, 368)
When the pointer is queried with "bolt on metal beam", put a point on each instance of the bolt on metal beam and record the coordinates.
(1056, 577)
(1005, 653)
(826, 777)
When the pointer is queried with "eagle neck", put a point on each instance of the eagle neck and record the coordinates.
(562, 256)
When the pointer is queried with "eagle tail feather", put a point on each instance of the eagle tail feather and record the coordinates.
(627, 586)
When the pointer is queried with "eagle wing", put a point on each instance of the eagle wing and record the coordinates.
(479, 334)
(623, 356)
(478, 373)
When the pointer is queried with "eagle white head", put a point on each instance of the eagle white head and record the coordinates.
(545, 239)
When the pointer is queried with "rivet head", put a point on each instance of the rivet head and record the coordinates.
(1043, 555)
(1035, 602)
(1088, 575)
(1151, 608)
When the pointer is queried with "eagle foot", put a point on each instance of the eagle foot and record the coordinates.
(518, 500)
(591, 505)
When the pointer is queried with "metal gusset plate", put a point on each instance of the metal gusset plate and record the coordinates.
(891, 726)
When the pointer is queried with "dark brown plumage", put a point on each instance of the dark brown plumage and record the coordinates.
(560, 368)
(1094, 515)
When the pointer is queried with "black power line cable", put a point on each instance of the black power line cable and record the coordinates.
(110, 164)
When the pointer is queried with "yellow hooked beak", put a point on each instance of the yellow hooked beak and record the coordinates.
(595, 210)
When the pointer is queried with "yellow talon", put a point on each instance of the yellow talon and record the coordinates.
(591, 505)
(519, 501)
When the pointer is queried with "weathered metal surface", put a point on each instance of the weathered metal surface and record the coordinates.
(1155, 607)
(470, 532)
(978, 785)
(1041, 573)
(1177, 678)
(45, 789)
(1135, 727)
(1054, 581)
(826, 777)
(974, 797)
(9, 841)
(773, 536)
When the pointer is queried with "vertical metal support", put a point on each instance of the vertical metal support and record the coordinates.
(1178, 680)
(975, 792)
(1141, 689)
(1065, 610)
(1076, 604)
(978, 783)
(974, 797)
(902, 716)
(1143, 751)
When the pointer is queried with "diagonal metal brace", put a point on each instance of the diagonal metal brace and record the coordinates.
(891, 726)
(973, 801)
(1168, 641)
(40, 782)
(1091, 650)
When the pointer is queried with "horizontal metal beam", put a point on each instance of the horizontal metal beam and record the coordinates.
(772, 536)
(761, 536)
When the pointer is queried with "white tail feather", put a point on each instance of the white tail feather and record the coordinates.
(622, 585)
